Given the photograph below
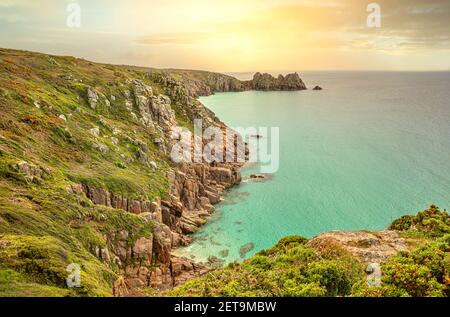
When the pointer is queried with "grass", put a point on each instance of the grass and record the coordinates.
(43, 226)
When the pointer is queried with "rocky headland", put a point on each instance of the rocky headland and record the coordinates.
(200, 83)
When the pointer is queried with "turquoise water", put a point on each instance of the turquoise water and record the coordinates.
(368, 148)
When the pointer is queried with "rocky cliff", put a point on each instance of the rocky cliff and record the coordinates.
(200, 83)
(86, 177)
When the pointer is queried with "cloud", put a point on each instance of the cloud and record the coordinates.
(406, 24)
(411, 25)
(234, 35)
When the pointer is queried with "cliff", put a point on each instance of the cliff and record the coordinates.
(202, 83)
(86, 177)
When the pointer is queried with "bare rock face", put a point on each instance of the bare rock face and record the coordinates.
(155, 111)
(101, 196)
(31, 172)
(184, 269)
(267, 82)
(366, 246)
(143, 248)
(93, 97)
(147, 261)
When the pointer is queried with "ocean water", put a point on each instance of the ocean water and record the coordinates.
(368, 148)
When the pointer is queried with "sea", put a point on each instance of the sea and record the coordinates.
(367, 149)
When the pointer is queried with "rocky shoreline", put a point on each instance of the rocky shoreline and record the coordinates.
(194, 190)
(87, 180)
(99, 140)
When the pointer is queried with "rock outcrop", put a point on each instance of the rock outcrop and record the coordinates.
(155, 111)
(366, 246)
(195, 83)
(149, 262)
(30, 172)
(267, 82)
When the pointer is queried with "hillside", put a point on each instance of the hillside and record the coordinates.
(85, 177)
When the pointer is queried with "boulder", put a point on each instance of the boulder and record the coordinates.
(366, 246)
(92, 96)
(95, 131)
(32, 172)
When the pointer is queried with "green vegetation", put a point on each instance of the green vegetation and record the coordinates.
(288, 269)
(46, 147)
(425, 271)
(291, 268)
(431, 223)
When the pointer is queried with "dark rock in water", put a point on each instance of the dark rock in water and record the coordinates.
(317, 88)
(215, 262)
(224, 253)
(214, 242)
(257, 176)
(260, 177)
(246, 248)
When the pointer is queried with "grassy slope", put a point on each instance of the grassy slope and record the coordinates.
(43, 227)
(292, 269)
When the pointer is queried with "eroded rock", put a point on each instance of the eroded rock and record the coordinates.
(366, 246)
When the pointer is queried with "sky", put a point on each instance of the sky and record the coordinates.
(236, 36)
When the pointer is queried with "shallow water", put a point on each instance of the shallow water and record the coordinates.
(370, 147)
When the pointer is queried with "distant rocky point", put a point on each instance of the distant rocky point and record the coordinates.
(267, 82)
(203, 83)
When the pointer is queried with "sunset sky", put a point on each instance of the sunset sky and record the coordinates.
(233, 36)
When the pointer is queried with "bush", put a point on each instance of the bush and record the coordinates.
(432, 221)
(423, 272)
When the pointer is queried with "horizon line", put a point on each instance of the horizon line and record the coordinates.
(232, 72)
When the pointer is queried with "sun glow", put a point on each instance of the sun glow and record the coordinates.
(238, 35)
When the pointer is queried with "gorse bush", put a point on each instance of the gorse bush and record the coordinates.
(288, 269)
(424, 271)
(291, 268)
(431, 221)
